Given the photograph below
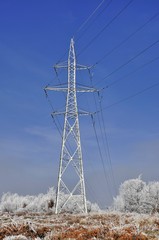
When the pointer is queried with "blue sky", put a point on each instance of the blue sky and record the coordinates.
(34, 36)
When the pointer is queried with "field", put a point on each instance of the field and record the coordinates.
(106, 225)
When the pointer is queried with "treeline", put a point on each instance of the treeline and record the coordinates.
(41, 203)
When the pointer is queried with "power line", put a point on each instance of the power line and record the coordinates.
(131, 96)
(130, 60)
(118, 102)
(91, 192)
(132, 72)
(107, 5)
(129, 74)
(90, 164)
(60, 59)
(122, 100)
(55, 119)
(127, 38)
(90, 16)
(58, 126)
(104, 136)
(100, 154)
(107, 145)
(107, 25)
(81, 27)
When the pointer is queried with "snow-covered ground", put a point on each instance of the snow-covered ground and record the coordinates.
(106, 225)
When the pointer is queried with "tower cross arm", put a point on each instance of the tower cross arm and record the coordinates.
(65, 89)
(78, 66)
(80, 113)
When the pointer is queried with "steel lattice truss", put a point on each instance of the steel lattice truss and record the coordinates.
(71, 162)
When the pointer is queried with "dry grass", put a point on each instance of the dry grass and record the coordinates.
(94, 226)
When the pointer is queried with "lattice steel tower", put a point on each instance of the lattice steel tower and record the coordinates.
(71, 162)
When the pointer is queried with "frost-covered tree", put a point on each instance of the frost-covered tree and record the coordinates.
(41, 203)
(137, 196)
(129, 198)
(150, 198)
(15, 203)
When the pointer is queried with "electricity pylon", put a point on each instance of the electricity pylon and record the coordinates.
(71, 162)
